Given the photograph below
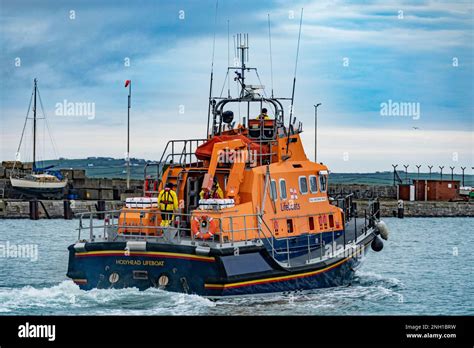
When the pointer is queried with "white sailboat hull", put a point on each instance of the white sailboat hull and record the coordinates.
(38, 185)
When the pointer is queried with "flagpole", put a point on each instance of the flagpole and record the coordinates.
(128, 133)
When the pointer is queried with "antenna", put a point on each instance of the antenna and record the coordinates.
(235, 48)
(294, 83)
(214, 39)
(242, 45)
(228, 59)
(247, 44)
(270, 42)
(212, 71)
(296, 65)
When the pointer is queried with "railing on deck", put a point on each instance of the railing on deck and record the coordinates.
(234, 231)
(176, 153)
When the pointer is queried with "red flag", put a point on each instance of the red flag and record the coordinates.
(127, 83)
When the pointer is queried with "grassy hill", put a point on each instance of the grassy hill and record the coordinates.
(103, 167)
(107, 167)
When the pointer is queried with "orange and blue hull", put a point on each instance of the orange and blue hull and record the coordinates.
(220, 273)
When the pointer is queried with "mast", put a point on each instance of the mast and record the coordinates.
(242, 51)
(212, 76)
(34, 129)
(128, 133)
(243, 47)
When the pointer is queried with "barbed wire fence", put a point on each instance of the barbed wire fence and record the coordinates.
(405, 174)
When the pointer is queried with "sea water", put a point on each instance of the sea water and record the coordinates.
(426, 267)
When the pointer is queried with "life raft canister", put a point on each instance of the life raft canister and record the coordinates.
(150, 188)
(147, 188)
(204, 227)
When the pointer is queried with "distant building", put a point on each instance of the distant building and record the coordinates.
(430, 190)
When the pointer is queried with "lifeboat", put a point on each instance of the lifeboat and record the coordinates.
(249, 213)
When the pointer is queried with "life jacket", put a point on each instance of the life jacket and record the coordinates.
(166, 198)
(211, 194)
(263, 117)
(214, 193)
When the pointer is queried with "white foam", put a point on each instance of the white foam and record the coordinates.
(67, 296)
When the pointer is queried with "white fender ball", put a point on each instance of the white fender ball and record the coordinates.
(383, 229)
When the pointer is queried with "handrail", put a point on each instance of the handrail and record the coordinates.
(167, 157)
(111, 214)
(264, 233)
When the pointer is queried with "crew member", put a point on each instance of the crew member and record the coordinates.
(168, 203)
(263, 115)
(215, 192)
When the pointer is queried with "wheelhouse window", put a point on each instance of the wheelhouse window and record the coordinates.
(303, 184)
(283, 189)
(323, 183)
(313, 183)
(273, 190)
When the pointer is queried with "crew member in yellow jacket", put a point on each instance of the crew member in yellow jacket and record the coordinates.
(168, 203)
(263, 115)
(216, 192)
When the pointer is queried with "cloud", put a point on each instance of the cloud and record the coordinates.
(407, 59)
(376, 149)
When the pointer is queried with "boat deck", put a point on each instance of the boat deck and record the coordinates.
(356, 231)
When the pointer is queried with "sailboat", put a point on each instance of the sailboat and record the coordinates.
(37, 182)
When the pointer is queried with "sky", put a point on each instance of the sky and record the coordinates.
(356, 58)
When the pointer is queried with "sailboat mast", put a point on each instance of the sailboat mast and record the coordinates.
(128, 133)
(34, 129)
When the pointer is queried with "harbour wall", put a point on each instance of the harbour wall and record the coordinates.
(421, 208)
(364, 191)
(16, 209)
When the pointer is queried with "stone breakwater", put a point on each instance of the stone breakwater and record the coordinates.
(363, 191)
(11, 209)
(422, 208)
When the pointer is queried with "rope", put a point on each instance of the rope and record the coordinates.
(264, 92)
(23, 131)
(223, 85)
(55, 152)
